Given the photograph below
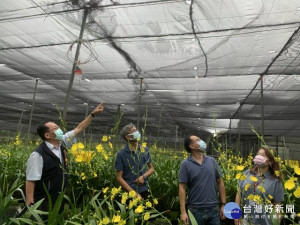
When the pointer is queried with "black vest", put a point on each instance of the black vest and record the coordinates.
(54, 174)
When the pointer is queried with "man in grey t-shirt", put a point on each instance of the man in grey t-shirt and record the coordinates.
(47, 164)
(202, 175)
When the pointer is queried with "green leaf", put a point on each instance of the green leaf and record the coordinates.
(123, 210)
(35, 215)
(131, 217)
(192, 218)
(27, 221)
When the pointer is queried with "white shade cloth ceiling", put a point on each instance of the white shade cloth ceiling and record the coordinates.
(200, 61)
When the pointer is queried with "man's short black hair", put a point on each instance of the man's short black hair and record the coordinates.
(42, 130)
(187, 142)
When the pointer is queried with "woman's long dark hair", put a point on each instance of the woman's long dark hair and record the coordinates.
(274, 166)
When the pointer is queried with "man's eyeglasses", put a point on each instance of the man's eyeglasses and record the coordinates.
(197, 139)
(53, 129)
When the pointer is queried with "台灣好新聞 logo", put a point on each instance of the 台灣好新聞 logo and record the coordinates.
(232, 210)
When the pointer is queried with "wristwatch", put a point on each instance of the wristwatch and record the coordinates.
(223, 203)
(93, 115)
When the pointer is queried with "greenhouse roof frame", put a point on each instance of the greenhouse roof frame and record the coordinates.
(201, 64)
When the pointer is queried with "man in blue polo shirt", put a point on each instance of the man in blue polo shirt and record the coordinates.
(202, 175)
(133, 164)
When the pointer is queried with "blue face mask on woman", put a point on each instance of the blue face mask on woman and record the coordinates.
(59, 134)
(202, 145)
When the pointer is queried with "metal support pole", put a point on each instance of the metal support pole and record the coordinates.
(277, 142)
(86, 11)
(239, 137)
(31, 113)
(86, 115)
(159, 121)
(116, 129)
(230, 130)
(180, 143)
(176, 135)
(139, 110)
(226, 141)
(159, 140)
(20, 121)
(262, 106)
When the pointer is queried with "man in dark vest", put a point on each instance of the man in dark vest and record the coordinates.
(47, 165)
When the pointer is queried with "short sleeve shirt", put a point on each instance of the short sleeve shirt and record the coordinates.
(271, 186)
(133, 164)
(201, 181)
(35, 162)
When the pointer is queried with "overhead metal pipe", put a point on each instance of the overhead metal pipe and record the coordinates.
(86, 11)
(31, 113)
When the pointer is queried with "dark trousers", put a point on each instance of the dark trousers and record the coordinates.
(206, 216)
(145, 194)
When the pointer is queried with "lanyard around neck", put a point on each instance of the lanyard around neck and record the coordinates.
(256, 184)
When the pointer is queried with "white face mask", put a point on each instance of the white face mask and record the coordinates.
(202, 145)
(59, 134)
(135, 135)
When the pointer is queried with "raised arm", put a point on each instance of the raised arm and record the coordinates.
(87, 121)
